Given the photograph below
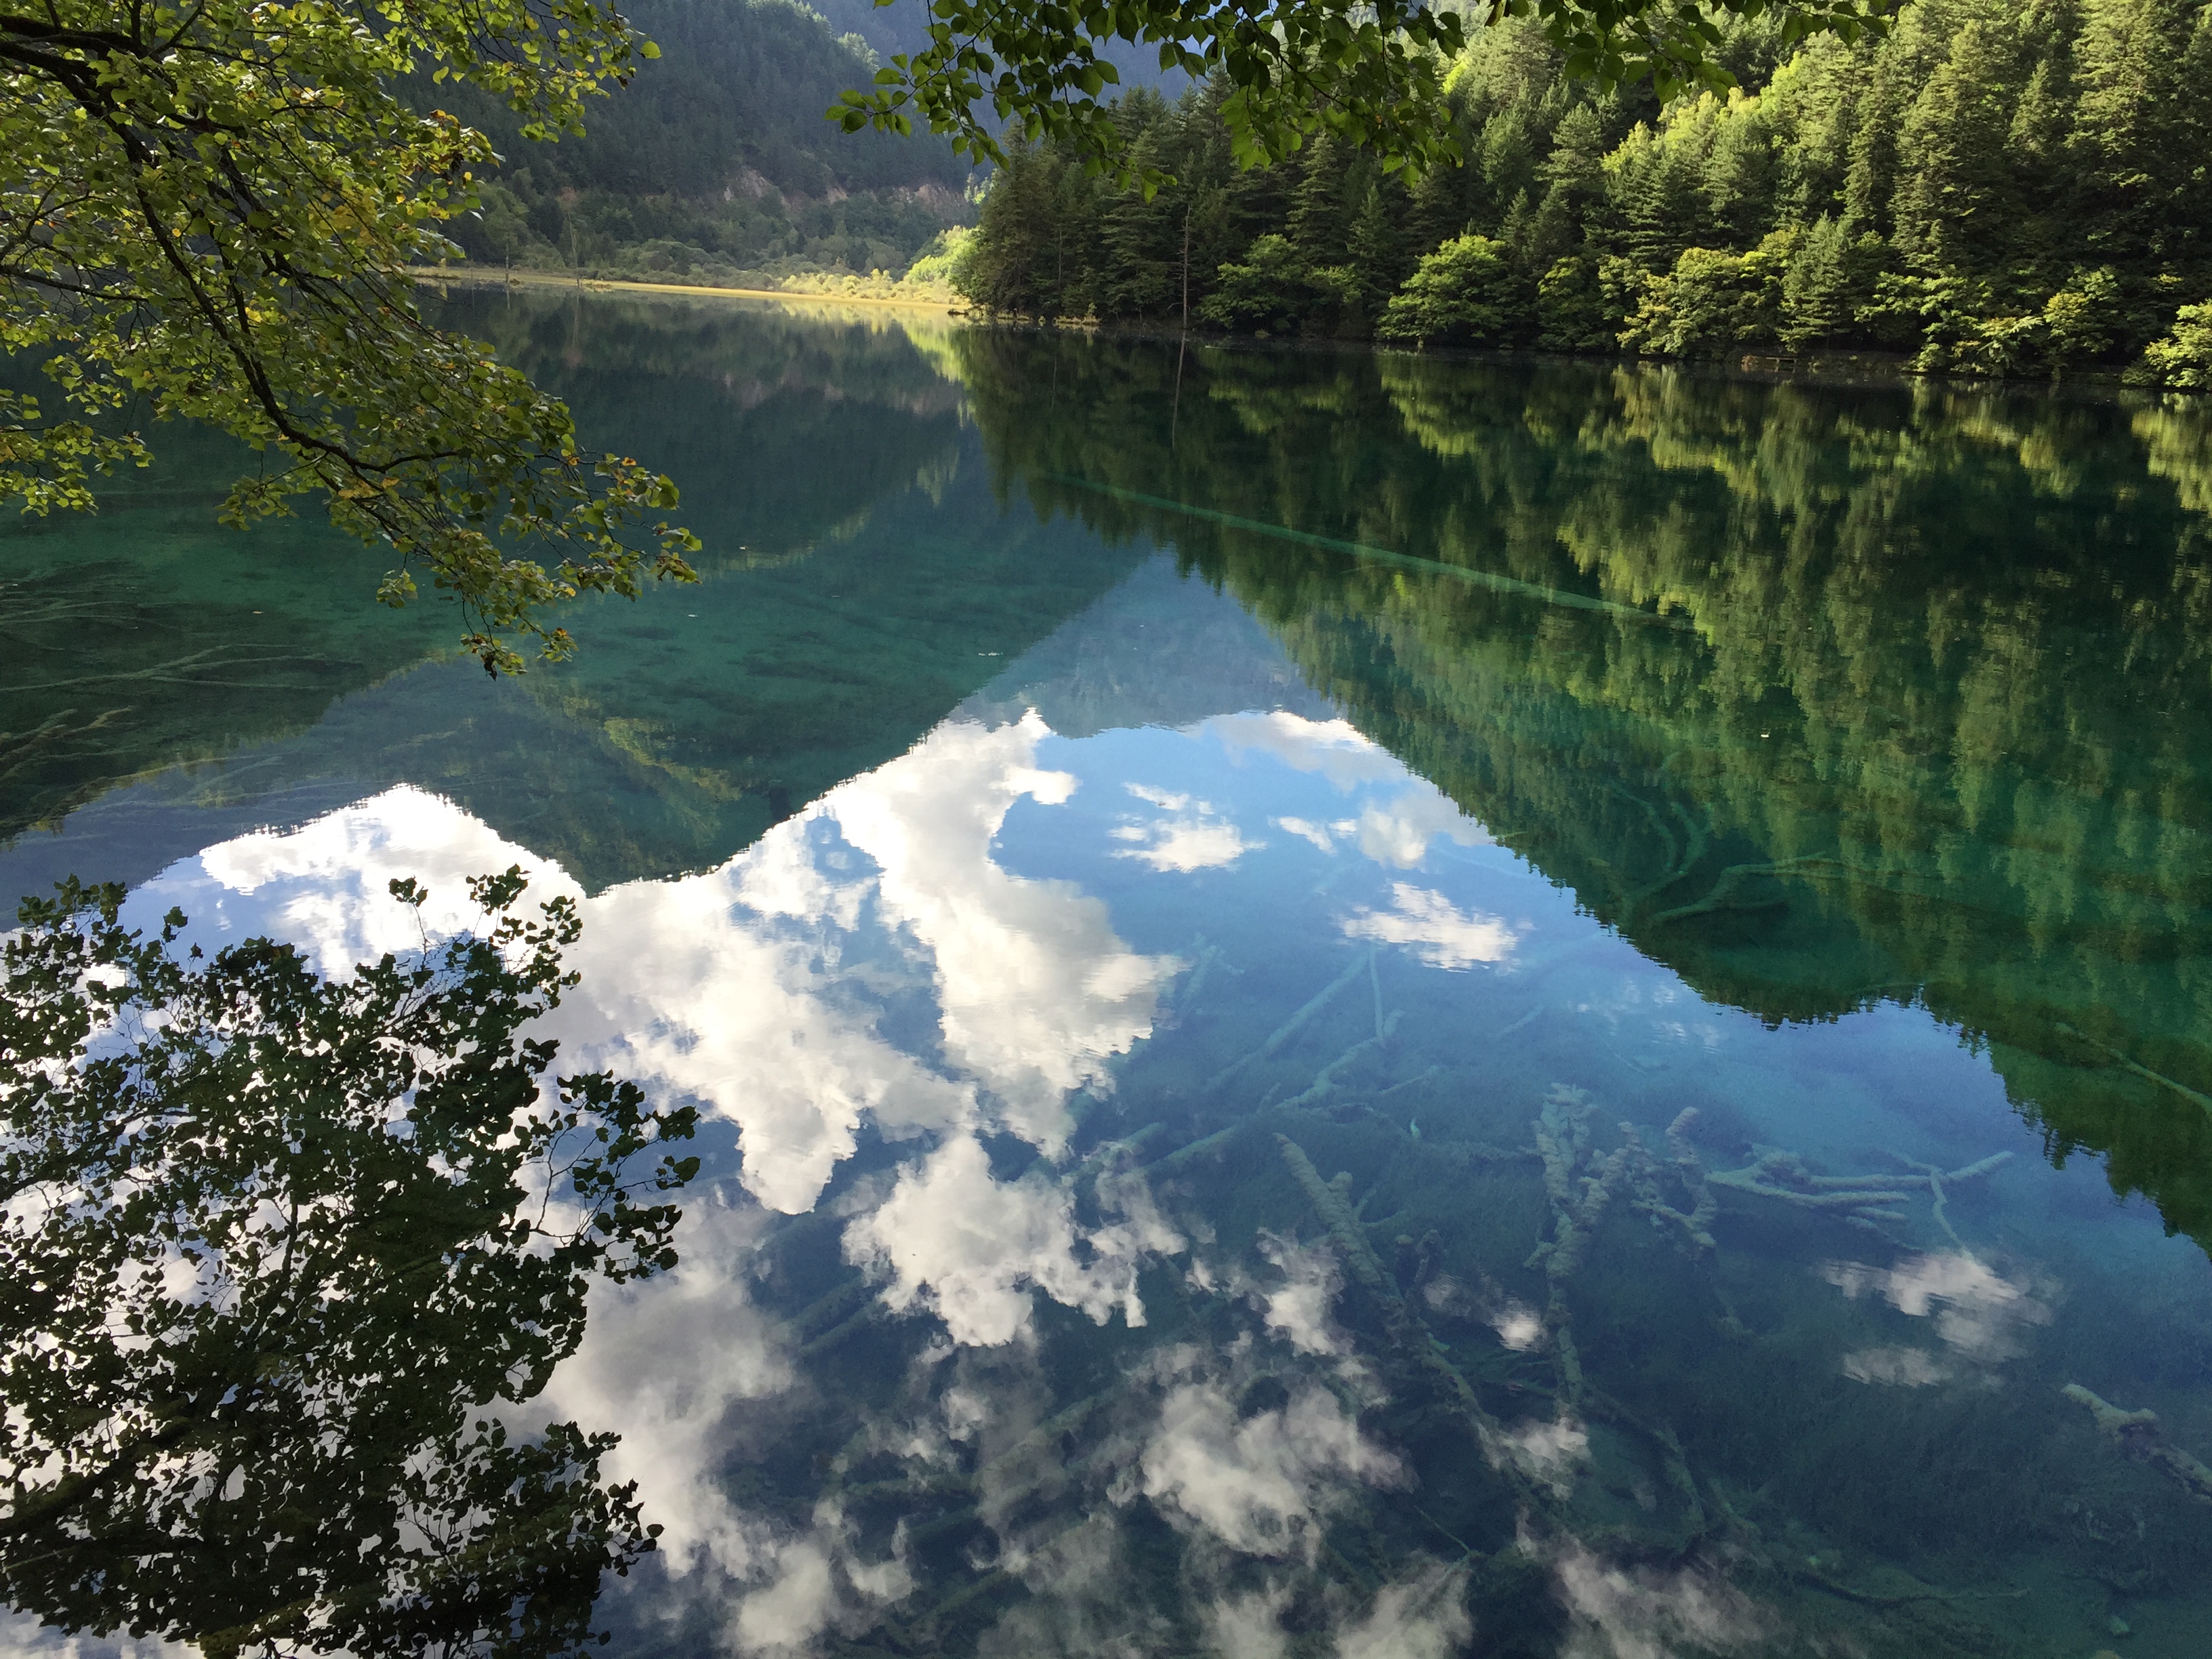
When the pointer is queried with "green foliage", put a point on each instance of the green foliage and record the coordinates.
(1987, 190)
(1713, 302)
(1460, 295)
(740, 239)
(1263, 293)
(273, 1243)
(739, 85)
(1371, 76)
(2183, 358)
(945, 261)
(207, 212)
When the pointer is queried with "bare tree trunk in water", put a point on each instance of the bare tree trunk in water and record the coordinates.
(1186, 284)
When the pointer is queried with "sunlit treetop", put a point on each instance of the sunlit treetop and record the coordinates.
(1369, 74)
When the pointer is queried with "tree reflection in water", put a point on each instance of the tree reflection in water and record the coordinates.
(273, 1245)
(1821, 696)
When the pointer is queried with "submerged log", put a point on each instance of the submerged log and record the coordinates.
(2137, 1434)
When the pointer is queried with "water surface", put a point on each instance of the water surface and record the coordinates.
(1342, 1004)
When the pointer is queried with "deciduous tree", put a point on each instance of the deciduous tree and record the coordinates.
(207, 209)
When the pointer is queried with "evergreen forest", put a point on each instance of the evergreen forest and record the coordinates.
(1995, 187)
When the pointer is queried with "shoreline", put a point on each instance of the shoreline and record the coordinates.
(1864, 369)
(480, 278)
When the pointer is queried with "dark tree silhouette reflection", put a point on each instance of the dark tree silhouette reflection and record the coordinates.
(273, 1245)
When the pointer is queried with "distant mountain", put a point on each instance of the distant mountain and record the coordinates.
(716, 164)
(903, 25)
(740, 88)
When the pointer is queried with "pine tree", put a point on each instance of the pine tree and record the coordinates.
(2141, 163)
(1323, 207)
(1824, 287)
(1653, 181)
(1573, 179)
(1956, 204)
(1378, 250)
(1141, 237)
(1997, 185)
(1741, 171)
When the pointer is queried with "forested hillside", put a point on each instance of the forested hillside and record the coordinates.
(716, 160)
(1997, 187)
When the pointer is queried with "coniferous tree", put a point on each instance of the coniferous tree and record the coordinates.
(1999, 186)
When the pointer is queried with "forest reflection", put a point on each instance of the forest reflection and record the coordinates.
(1821, 696)
(151, 636)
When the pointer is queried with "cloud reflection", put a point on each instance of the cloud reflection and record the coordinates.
(759, 988)
(1192, 835)
(1979, 1314)
(1621, 1612)
(1395, 833)
(969, 1247)
(667, 1360)
(1257, 1483)
(1435, 930)
(871, 962)
(1035, 988)
(1335, 749)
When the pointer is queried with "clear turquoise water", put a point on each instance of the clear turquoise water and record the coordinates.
(1343, 1005)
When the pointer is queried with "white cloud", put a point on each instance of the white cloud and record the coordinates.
(1078, 1606)
(1258, 1483)
(1299, 1308)
(1035, 989)
(745, 988)
(684, 986)
(1398, 834)
(970, 1247)
(1549, 1452)
(1164, 799)
(1436, 931)
(1519, 1327)
(784, 874)
(1249, 1626)
(324, 886)
(801, 1585)
(796, 1606)
(666, 1360)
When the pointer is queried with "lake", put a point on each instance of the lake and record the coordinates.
(1337, 1004)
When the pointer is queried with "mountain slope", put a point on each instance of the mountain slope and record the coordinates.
(715, 161)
